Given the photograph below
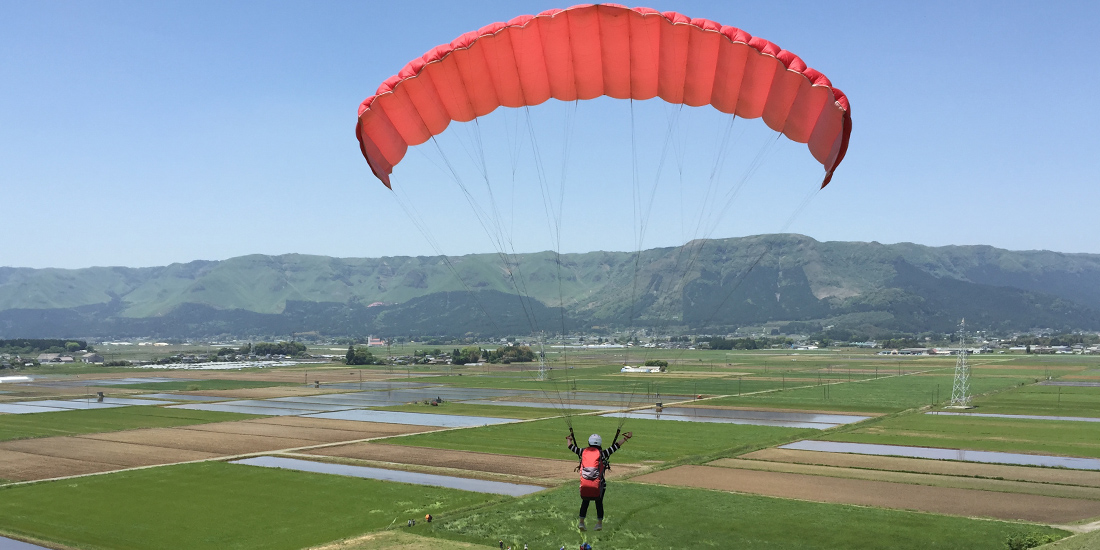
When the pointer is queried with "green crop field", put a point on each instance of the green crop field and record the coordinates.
(980, 434)
(1043, 400)
(690, 372)
(626, 387)
(46, 424)
(644, 517)
(216, 506)
(877, 395)
(653, 439)
(497, 411)
(192, 385)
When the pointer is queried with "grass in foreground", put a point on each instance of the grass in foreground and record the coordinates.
(496, 411)
(216, 506)
(47, 424)
(1043, 400)
(653, 439)
(1087, 541)
(644, 517)
(194, 385)
(1048, 437)
(882, 395)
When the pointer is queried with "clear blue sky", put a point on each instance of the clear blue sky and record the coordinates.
(145, 133)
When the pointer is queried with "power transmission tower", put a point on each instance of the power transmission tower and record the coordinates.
(960, 390)
(544, 370)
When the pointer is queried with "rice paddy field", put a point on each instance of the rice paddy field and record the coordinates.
(216, 506)
(159, 476)
(59, 423)
(198, 385)
(981, 434)
(1044, 400)
(501, 411)
(653, 440)
(879, 395)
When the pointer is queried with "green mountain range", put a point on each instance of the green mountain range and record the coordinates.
(704, 286)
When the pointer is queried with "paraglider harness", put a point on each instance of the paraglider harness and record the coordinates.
(592, 468)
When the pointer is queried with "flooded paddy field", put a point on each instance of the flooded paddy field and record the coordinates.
(415, 478)
(947, 454)
(978, 433)
(744, 416)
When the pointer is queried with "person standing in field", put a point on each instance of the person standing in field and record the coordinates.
(594, 463)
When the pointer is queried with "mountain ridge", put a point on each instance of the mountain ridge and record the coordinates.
(712, 284)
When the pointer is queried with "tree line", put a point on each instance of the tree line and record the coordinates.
(42, 345)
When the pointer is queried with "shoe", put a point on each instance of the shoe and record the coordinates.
(580, 524)
(599, 525)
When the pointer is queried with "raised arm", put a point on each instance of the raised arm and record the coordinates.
(573, 445)
(615, 446)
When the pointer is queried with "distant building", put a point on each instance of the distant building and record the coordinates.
(67, 359)
(913, 351)
(644, 369)
(94, 358)
(372, 341)
(49, 357)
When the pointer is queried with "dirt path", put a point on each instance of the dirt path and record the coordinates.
(941, 500)
(941, 467)
(538, 468)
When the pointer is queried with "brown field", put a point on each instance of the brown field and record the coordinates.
(49, 457)
(218, 444)
(958, 482)
(538, 468)
(942, 467)
(18, 466)
(940, 500)
(121, 454)
(253, 428)
(365, 430)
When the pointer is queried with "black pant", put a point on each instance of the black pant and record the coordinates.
(599, 505)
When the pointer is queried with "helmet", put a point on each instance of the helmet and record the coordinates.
(595, 439)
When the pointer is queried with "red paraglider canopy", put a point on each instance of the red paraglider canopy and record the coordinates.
(587, 51)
